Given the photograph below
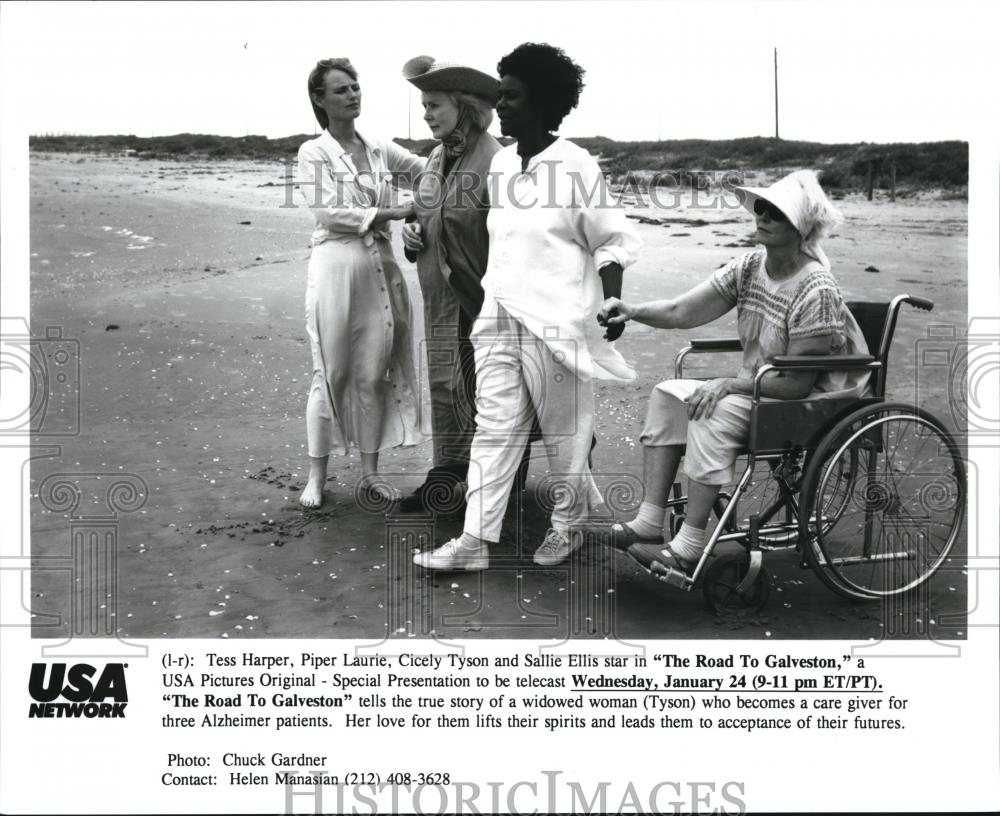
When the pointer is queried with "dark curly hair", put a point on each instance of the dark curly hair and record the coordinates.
(317, 83)
(553, 81)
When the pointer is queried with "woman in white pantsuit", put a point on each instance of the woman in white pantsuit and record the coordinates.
(558, 245)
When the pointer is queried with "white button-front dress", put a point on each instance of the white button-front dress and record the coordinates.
(364, 390)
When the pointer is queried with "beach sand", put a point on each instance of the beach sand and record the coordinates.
(183, 283)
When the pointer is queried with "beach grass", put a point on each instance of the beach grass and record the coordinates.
(844, 167)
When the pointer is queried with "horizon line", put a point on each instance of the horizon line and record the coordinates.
(50, 135)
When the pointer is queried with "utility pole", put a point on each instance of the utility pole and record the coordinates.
(776, 136)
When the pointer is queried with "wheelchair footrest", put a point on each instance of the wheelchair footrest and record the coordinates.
(673, 577)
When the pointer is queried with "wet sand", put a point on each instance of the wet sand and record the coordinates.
(184, 283)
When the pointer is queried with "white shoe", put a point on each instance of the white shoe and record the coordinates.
(454, 556)
(556, 548)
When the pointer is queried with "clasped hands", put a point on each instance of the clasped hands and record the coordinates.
(613, 316)
(615, 313)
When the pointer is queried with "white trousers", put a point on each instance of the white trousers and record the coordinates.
(517, 378)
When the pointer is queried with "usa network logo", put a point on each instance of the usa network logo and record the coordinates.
(84, 692)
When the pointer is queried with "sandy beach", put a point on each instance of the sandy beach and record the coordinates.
(183, 283)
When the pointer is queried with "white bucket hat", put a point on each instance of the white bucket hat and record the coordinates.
(805, 205)
(427, 74)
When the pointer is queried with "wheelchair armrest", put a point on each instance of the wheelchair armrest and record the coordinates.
(812, 362)
(717, 344)
(706, 345)
(815, 362)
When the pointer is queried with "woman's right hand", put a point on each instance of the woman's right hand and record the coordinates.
(412, 239)
(615, 311)
(396, 212)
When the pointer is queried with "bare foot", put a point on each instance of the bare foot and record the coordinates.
(312, 495)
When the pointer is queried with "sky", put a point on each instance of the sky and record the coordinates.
(848, 71)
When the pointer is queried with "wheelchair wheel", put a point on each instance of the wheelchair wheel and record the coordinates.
(883, 500)
(720, 586)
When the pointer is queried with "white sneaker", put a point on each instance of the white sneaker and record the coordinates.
(556, 548)
(454, 556)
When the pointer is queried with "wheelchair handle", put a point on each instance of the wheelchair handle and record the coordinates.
(920, 303)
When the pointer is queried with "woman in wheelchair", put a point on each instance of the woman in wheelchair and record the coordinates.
(787, 303)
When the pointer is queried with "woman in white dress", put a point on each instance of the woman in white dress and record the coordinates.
(363, 392)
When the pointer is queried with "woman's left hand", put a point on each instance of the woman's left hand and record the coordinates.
(705, 397)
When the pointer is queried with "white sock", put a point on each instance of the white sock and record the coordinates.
(689, 543)
(648, 523)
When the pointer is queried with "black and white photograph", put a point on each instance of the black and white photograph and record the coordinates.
(420, 325)
(377, 464)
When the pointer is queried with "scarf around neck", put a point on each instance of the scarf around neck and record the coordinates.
(458, 140)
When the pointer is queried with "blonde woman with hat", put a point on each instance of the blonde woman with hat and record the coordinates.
(787, 302)
(363, 392)
(450, 244)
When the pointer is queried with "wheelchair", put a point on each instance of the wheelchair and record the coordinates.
(871, 493)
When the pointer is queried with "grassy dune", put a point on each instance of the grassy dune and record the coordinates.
(942, 165)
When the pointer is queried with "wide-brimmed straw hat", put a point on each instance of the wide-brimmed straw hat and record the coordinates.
(427, 74)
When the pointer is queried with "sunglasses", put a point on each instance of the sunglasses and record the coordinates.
(760, 206)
